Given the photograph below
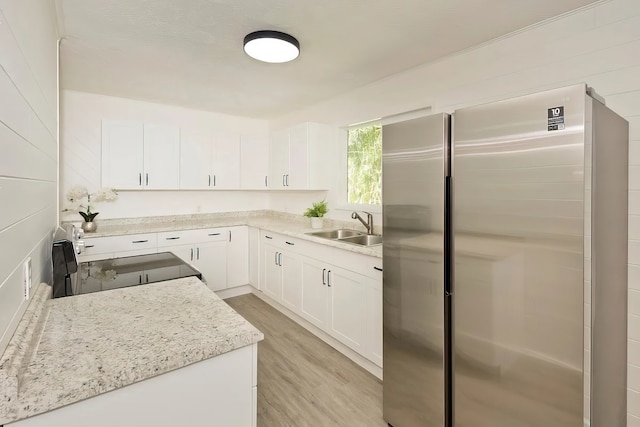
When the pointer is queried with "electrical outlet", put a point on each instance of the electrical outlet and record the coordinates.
(26, 278)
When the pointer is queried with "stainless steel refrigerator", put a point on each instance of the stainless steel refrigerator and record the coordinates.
(505, 265)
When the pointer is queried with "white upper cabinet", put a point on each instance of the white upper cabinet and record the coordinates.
(195, 160)
(139, 156)
(301, 157)
(122, 154)
(226, 160)
(161, 154)
(279, 159)
(209, 161)
(254, 162)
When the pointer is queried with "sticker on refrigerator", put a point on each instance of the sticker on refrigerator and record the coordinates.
(555, 118)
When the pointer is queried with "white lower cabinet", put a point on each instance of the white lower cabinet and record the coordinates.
(208, 258)
(271, 272)
(238, 256)
(315, 293)
(282, 275)
(374, 312)
(335, 300)
(291, 265)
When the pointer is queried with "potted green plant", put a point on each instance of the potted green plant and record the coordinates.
(316, 212)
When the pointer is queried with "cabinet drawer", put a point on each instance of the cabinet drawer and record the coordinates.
(105, 245)
(190, 237)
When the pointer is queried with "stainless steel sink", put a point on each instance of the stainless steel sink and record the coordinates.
(364, 240)
(336, 234)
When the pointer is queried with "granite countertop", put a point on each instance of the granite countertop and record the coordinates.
(90, 344)
(276, 222)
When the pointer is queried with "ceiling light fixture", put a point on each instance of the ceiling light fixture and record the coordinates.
(271, 46)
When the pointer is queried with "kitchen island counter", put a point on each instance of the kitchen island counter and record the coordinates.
(94, 343)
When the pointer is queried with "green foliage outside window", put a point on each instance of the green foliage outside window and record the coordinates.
(364, 165)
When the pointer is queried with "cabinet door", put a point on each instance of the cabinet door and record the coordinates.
(272, 273)
(279, 159)
(161, 157)
(254, 162)
(348, 308)
(184, 252)
(226, 161)
(254, 257)
(292, 281)
(211, 261)
(195, 160)
(238, 257)
(298, 176)
(374, 320)
(122, 154)
(315, 294)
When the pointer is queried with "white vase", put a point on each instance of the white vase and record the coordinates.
(316, 222)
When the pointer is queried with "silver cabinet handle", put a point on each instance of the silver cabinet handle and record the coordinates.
(147, 179)
(140, 241)
(140, 179)
(287, 180)
(265, 180)
(268, 237)
(229, 235)
(197, 253)
(329, 278)
(209, 180)
(289, 243)
(214, 180)
(275, 258)
(191, 254)
(88, 246)
(214, 234)
(324, 270)
(377, 268)
(280, 259)
(171, 238)
(284, 180)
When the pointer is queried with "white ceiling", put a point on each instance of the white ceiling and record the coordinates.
(189, 52)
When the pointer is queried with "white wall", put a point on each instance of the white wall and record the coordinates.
(28, 154)
(81, 116)
(599, 46)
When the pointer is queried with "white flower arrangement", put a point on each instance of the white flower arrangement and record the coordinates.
(81, 200)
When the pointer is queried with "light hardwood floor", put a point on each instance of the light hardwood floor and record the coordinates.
(303, 381)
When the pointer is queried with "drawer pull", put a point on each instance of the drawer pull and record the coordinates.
(289, 243)
(329, 278)
(140, 241)
(89, 246)
(324, 281)
(377, 268)
(171, 238)
(268, 237)
(214, 234)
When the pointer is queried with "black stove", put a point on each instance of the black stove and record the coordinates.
(96, 276)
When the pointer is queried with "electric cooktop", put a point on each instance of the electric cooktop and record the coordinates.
(103, 275)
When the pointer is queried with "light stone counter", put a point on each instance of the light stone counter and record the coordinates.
(91, 344)
(276, 222)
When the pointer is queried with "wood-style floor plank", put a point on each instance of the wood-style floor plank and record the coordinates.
(302, 381)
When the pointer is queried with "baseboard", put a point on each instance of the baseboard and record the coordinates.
(234, 292)
(355, 357)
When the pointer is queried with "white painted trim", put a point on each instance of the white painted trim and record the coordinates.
(59, 14)
(361, 361)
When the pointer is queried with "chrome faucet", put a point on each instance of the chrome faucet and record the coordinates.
(368, 224)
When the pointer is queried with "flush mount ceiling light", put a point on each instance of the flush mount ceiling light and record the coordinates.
(271, 46)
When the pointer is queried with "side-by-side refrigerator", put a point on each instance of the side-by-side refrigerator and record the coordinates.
(505, 265)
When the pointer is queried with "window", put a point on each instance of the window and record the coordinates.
(364, 165)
